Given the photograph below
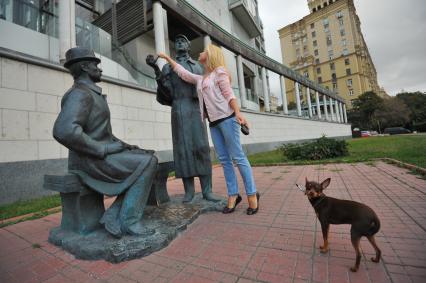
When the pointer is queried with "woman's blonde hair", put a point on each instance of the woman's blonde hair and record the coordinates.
(215, 58)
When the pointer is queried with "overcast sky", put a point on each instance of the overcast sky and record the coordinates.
(395, 32)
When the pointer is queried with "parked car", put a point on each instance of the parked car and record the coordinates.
(396, 131)
(365, 134)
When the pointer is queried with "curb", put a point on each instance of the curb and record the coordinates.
(419, 170)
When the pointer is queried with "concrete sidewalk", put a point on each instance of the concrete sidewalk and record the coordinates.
(279, 244)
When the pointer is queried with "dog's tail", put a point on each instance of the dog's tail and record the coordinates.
(374, 227)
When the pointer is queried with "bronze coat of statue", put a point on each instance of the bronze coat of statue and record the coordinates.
(191, 151)
(102, 161)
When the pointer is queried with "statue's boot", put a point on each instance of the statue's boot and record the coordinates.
(110, 219)
(206, 188)
(137, 229)
(188, 185)
(134, 203)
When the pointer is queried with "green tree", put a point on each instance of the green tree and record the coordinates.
(363, 108)
(393, 113)
(416, 102)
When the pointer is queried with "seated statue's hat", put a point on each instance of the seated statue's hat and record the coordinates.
(77, 54)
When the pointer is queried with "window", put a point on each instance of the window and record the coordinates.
(317, 61)
(344, 43)
(315, 43)
(319, 80)
(318, 70)
(306, 74)
(330, 54)
(342, 32)
(327, 87)
(349, 82)
(325, 21)
(313, 25)
(334, 86)
(351, 92)
(333, 77)
(341, 23)
(339, 14)
(347, 62)
(332, 66)
(345, 52)
(297, 52)
(316, 52)
(304, 40)
(326, 28)
(348, 72)
(314, 34)
(329, 42)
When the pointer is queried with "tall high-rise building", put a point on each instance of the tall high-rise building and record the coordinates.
(328, 47)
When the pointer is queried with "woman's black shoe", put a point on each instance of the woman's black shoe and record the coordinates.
(251, 211)
(227, 210)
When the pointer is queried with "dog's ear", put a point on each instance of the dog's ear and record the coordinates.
(306, 180)
(325, 183)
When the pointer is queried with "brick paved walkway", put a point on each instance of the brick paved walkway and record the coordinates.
(279, 244)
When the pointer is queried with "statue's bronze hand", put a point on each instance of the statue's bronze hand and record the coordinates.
(114, 147)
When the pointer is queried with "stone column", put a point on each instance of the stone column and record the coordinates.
(324, 99)
(241, 85)
(265, 90)
(336, 106)
(342, 120)
(308, 98)
(160, 44)
(299, 108)
(66, 18)
(318, 105)
(331, 109)
(345, 116)
(206, 40)
(284, 95)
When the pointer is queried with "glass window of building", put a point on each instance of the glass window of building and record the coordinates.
(316, 52)
(332, 66)
(339, 14)
(326, 29)
(349, 82)
(347, 62)
(342, 32)
(345, 52)
(317, 61)
(329, 42)
(351, 92)
(314, 34)
(315, 43)
(330, 54)
(348, 72)
(318, 70)
(313, 25)
(333, 77)
(334, 86)
(319, 80)
(341, 22)
(325, 21)
(344, 43)
(304, 40)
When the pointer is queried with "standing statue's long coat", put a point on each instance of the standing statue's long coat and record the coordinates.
(191, 151)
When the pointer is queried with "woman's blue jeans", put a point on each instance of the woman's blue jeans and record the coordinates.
(226, 140)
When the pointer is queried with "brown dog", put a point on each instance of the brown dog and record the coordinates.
(329, 210)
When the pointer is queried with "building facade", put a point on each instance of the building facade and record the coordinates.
(328, 46)
(34, 36)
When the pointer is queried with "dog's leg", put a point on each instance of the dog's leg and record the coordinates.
(325, 227)
(372, 241)
(355, 239)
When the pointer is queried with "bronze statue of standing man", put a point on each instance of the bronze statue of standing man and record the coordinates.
(191, 151)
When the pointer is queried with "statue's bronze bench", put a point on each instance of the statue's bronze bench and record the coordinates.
(82, 207)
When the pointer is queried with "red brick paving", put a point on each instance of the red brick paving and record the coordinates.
(279, 244)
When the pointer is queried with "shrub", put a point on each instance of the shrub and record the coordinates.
(321, 148)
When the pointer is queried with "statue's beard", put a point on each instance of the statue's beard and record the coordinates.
(95, 78)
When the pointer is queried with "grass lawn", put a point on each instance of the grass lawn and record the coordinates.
(406, 148)
(30, 206)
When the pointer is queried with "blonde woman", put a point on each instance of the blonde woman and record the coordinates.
(219, 105)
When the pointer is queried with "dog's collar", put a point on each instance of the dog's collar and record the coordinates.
(317, 202)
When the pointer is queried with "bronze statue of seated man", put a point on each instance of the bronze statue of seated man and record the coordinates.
(103, 162)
